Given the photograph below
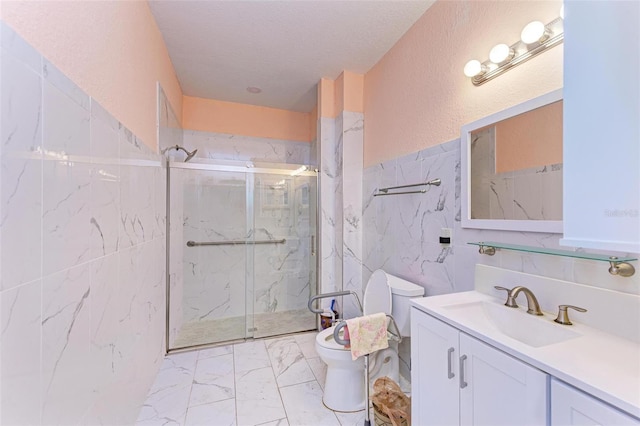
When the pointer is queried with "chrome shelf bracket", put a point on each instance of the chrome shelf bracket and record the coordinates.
(488, 250)
(622, 269)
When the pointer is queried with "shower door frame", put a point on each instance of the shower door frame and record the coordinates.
(248, 167)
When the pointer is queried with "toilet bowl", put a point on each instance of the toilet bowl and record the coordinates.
(344, 383)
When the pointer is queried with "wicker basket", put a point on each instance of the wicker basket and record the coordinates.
(381, 419)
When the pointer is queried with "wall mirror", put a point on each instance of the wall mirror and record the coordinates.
(512, 168)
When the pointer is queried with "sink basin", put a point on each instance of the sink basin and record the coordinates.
(535, 331)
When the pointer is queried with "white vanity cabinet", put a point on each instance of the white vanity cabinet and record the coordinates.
(601, 133)
(459, 380)
(572, 407)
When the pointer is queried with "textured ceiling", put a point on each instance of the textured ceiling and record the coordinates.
(219, 48)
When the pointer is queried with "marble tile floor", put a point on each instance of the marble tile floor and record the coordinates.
(233, 328)
(260, 382)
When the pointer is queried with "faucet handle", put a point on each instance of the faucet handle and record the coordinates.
(510, 299)
(563, 315)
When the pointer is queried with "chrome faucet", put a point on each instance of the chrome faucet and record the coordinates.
(533, 307)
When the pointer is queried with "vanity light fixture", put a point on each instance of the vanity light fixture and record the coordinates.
(534, 32)
(501, 53)
(474, 67)
(534, 39)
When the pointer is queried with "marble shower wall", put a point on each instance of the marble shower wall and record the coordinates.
(82, 244)
(224, 146)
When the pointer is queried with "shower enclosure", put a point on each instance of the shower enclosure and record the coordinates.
(242, 250)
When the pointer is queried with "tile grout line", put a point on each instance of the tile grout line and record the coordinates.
(42, 130)
(186, 411)
(235, 384)
(277, 385)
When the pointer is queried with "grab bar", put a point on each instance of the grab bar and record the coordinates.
(334, 294)
(233, 243)
(435, 182)
(336, 332)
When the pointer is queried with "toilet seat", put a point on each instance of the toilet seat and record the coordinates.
(326, 340)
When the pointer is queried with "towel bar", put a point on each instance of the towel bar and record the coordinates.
(385, 191)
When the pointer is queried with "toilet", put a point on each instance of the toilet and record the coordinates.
(344, 384)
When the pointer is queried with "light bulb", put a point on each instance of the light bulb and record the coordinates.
(533, 32)
(500, 53)
(562, 11)
(473, 68)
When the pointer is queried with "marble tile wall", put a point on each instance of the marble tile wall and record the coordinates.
(341, 248)
(401, 234)
(224, 146)
(352, 159)
(330, 188)
(82, 244)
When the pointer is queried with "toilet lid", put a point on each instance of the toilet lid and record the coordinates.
(377, 296)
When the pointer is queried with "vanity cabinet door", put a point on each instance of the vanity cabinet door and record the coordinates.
(601, 143)
(569, 406)
(499, 389)
(434, 371)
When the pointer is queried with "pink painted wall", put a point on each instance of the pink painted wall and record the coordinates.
(345, 93)
(313, 123)
(417, 96)
(210, 115)
(530, 140)
(326, 98)
(113, 50)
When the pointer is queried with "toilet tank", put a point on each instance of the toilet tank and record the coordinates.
(401, 292)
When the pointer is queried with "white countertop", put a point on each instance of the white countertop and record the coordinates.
(599, 363)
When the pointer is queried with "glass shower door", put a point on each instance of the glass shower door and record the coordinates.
(242, 256)
(284, 272)
(208, 260)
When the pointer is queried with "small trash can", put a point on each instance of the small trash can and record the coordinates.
(381, 419)
(391, 407)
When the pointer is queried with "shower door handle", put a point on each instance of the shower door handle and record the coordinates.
(234, 243)
(313, 245)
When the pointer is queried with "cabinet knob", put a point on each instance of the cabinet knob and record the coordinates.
(563, 315)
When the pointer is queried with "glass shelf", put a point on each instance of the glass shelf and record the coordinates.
(553, 252)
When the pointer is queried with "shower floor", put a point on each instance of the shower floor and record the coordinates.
(234, 328)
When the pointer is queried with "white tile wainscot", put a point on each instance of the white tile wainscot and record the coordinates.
(82, 273)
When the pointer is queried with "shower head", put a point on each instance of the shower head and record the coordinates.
(190, 155)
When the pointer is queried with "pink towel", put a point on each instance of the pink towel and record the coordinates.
(367, 334)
